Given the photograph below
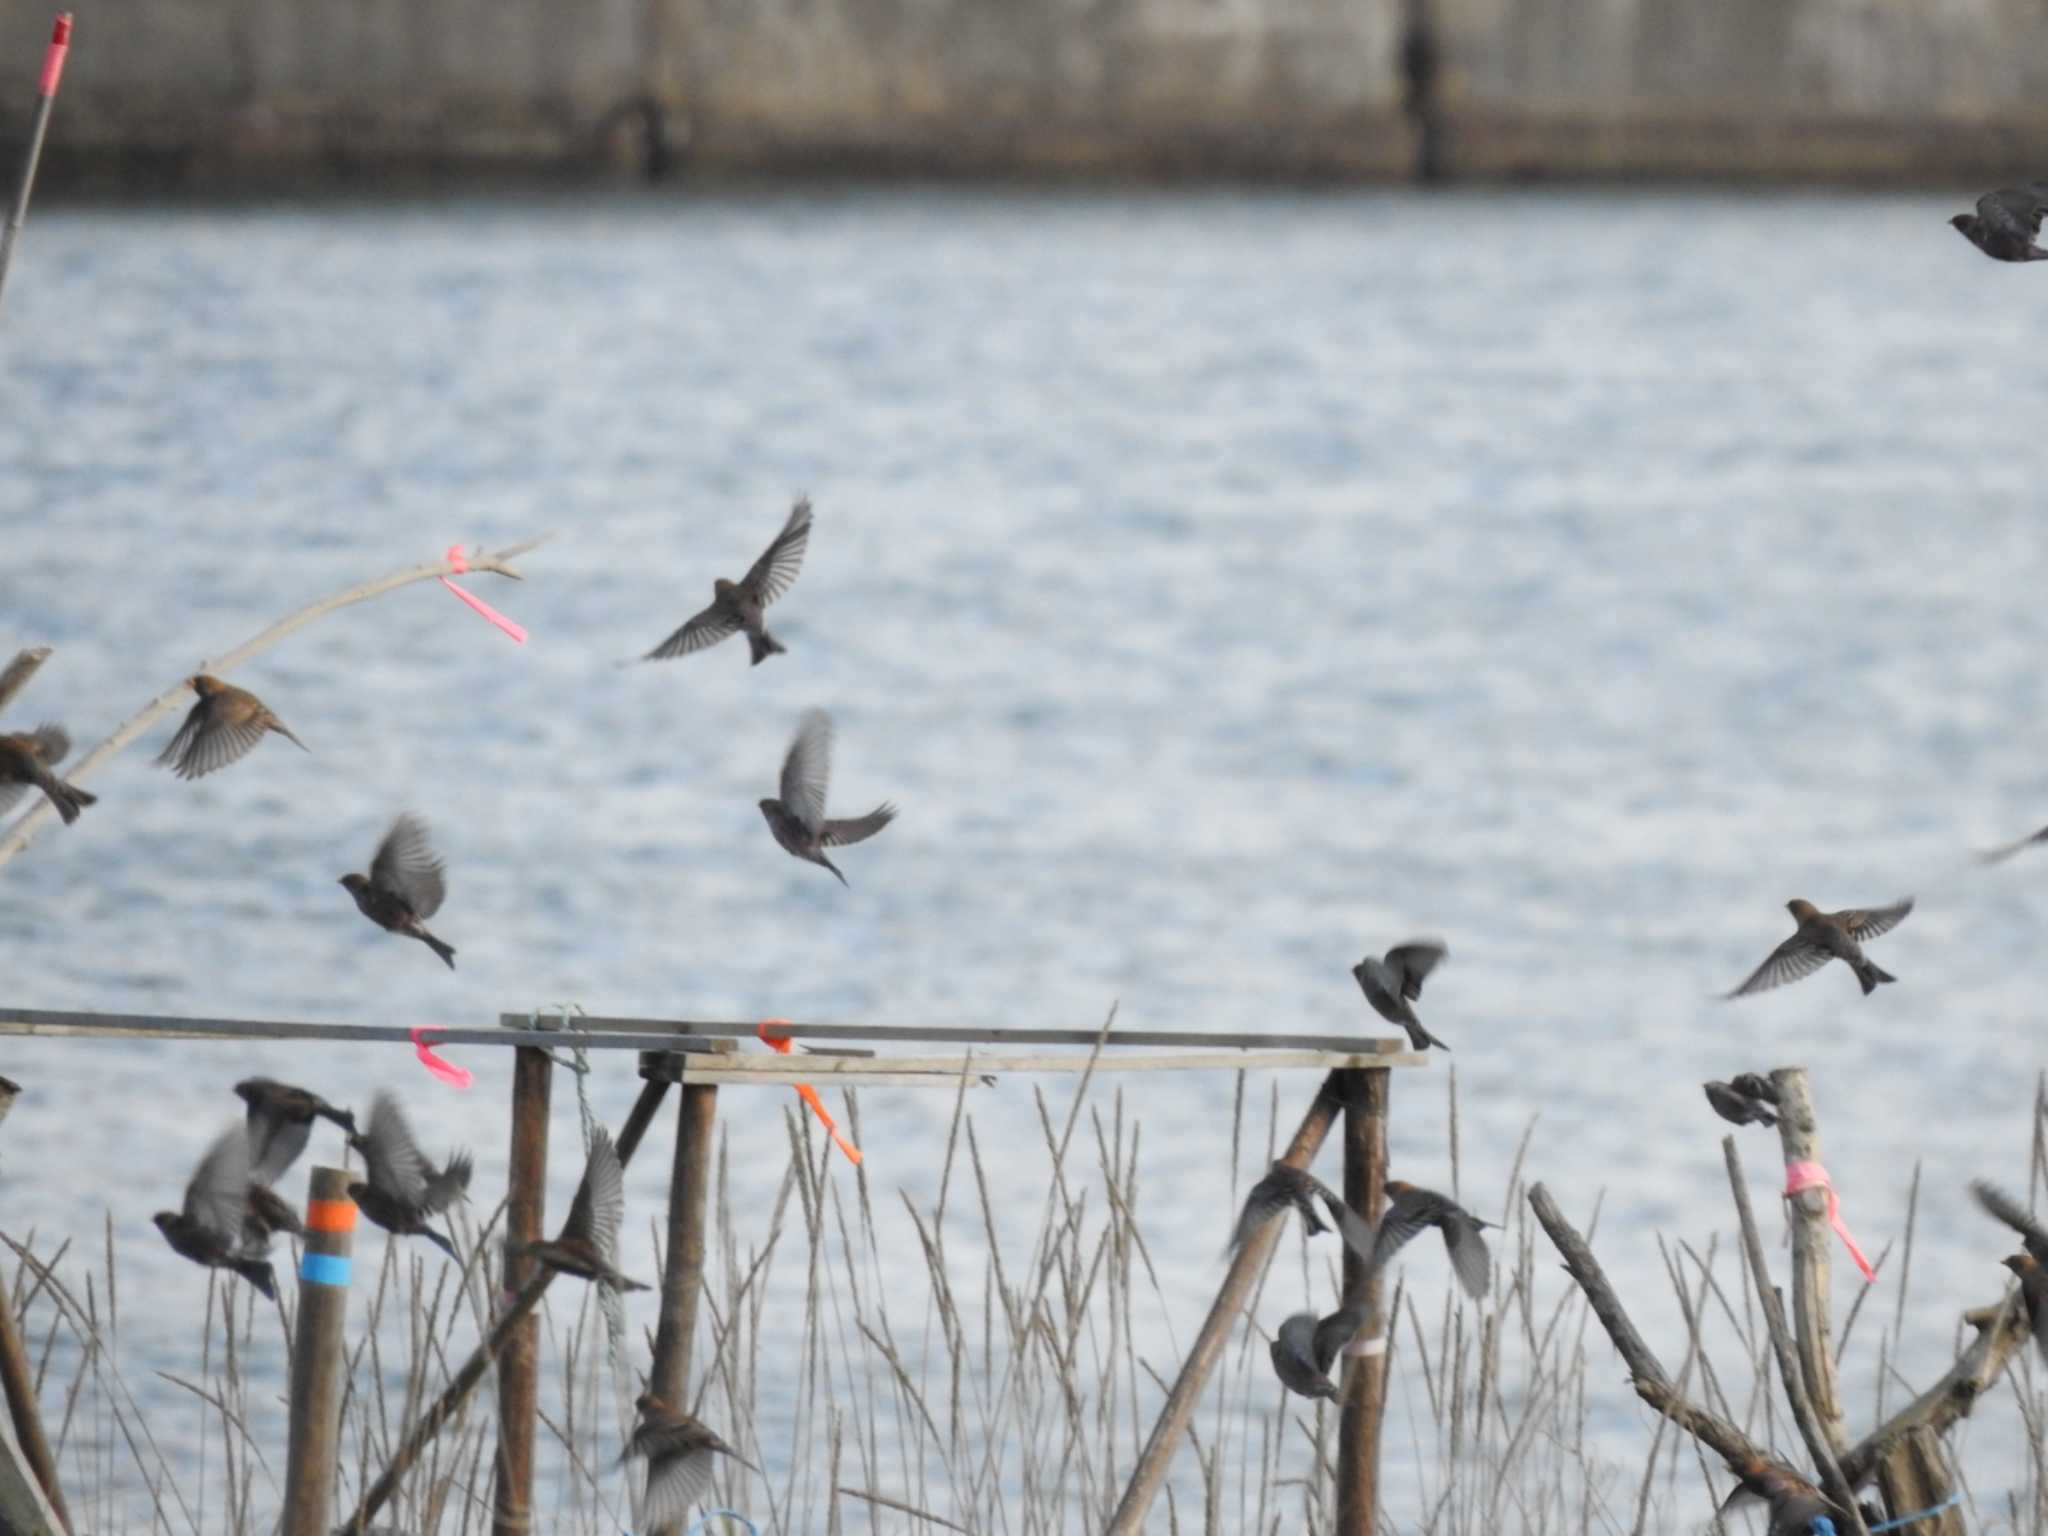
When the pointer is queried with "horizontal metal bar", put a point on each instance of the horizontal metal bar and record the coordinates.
(1148, 1039)
(941, 1071)
(52, 1023)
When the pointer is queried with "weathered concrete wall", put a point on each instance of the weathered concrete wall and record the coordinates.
(227, 88)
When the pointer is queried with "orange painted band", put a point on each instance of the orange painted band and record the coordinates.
(330, 1215)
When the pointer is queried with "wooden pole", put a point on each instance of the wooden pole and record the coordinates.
(319, 1366)
(473, 1368)
(1179, 1407)
(683, 1279)
(1915, 1476)
(1812, 1240)
(19, 1382)
(1365, 1379)
(19, 671)
(519, 1370)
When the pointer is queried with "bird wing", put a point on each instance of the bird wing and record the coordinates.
(217, 1198)
(1868, 924)
(1796, 958)
(807, 769)
(700, 630)
(396, 1165)
(2015, 208)
(1267, 1199)
(209, 740)
(770, 576)
(1357, 1233)
(1414, 961)
(275, 1142)
(2005, 851)
(600, 1200)
(405, 866)
(1405, 1216)
(675, 1482)
(1297, 1335)
(2009, 1211)
(1469, 1258)
(856, 829)
(1337, 1330)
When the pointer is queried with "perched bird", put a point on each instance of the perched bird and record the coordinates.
(589, 1244)
(1409, 1210)
(737, 605)
(1284, 1186)
(1393, 983)
(1735, 1106)
(280, 1124)
(402, 1188)
(26, 760)
(212, 1228)
(2031, 1266)
(1824, 936)
(222, 728)
(2006, 222)
(405, 886)
(2005, 851)
(678, 1448)
(1797, 1508)
(798, 818)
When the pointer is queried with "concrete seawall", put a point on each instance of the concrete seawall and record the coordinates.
(211, 90)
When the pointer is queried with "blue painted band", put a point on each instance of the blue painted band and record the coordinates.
(325, 1268)
(1891, 1525)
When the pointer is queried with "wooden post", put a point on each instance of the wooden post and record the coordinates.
(319, 1365)
(16, 1379)
(519, 1370)
(1812, 1319)
(1365, 1378)
(23, 1506)
(1915, 1476)
(19, 671)
(683, 1280)
(1179, 1407)
(465, 1380)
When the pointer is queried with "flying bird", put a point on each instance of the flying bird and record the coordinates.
(405, 886)
(280, 1123)
(1409, 1210)
(2005, 851)
(737, 605)
(26, 759)
(402, 1189)
(1285, 1185)
(1824, 936)
(798, 818)
(212, 1226)
(678, 1448)
(2030, 1266)
(1307, 1346)
(223, 727)
(1392, 984)
(1797, 1508)
(1736, 1106)
(2006, 222)
(589, 1244)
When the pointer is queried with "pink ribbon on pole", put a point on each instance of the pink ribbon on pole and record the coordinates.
(53, 60)
(1804, 1176)
(461, 564)
(447, 1071)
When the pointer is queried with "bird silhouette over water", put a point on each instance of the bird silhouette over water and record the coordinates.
(589, 1244)
(678, 1448)
(1745, 1100)
(405, 886)
(212, 1227)
(737, 605)
(1410, 1209)
(2029, 1266)
(798, 818)
(1824, 936)
(2005, 851)
(2006, 222)
(1285, 1185)
(280, 1123)
(1306, 1346)
(26, 759)
(223, 727)
(401, 1189)
(1393, 983)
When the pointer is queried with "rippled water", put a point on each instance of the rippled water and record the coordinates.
(1222, 583)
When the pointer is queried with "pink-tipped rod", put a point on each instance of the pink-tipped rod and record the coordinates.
(46, 98)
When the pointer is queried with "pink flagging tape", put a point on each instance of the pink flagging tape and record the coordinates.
(1804, 1176)
(53, 59)
(456, 558)
(780, 1045)
(447, 1071)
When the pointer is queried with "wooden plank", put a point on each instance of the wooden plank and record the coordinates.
(791, 1076)
(58, 1024)
(948, 1070)
(919, 1034)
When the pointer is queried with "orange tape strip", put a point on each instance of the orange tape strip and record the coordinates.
(780, 1045)
(330, 1215)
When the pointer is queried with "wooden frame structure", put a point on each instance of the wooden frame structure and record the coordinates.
(703, 1056)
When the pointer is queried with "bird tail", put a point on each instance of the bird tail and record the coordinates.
(259, 1274)
(620, 1282)
(833, 867)
(1871, 977)
(68, 799)
(445, 951)
(764, 645)
(442, 1243)
(451, 1185)
(1421, 1038)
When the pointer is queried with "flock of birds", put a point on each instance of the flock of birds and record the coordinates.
(231, 1212)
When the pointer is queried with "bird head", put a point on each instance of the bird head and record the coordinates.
(2021, 1264)
(248, 1089)
(206, 685)
(356, 884)
(1801, 909)
(163, 1220)
(1396, 1188)
(1964, 222)
(721, 588)
(358, 1192)
(648, 1403)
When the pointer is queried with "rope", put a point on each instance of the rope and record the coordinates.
(1942, 1508)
